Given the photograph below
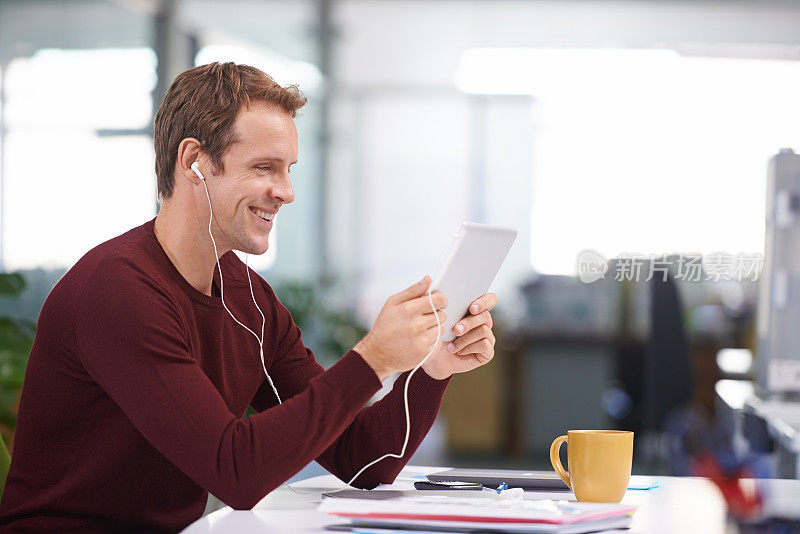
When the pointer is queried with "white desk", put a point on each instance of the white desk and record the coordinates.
(678, 505)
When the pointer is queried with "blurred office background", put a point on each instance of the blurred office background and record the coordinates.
(633, 127)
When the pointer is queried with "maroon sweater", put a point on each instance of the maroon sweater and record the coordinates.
(136, 387)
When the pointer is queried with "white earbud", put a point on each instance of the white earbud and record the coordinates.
(196, 170)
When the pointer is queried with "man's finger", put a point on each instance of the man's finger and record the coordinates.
(468, 323)
(430, 320)
(484, 358)
(483, 303)
(423, 305)
(482, 346)
(476, 334)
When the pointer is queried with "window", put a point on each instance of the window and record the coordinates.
(79, 159)
(644, 151)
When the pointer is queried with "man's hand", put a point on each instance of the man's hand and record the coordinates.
(474, 345)
(404, 331)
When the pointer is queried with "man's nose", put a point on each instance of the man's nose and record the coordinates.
(283, 191)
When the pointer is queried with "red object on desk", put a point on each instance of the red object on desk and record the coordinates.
(743, 503)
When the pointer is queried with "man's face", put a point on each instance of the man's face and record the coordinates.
(256, 182)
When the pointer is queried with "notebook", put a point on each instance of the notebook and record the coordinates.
(478, 511)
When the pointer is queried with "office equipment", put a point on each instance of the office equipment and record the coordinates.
(491, 478)
(771, 427)
(469, 268)
(778, 370)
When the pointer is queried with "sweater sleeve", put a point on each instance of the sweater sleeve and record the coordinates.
(375, 430)
(131, 339)
(381, 429)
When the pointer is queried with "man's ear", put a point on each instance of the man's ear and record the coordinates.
(189, 151)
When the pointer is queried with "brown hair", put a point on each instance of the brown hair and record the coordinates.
(203, 103)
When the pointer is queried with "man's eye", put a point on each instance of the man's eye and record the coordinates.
(265, 168)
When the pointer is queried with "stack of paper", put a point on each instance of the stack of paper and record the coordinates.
(479, 511)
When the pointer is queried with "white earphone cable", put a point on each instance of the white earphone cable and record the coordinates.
(261, 342)
(222, 297)
(263, 320)
(405, 398)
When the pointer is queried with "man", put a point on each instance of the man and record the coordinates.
(139, 376)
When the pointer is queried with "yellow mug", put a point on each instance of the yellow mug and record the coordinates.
(599, 463)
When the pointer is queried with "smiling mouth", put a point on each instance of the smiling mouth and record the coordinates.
(263, 214)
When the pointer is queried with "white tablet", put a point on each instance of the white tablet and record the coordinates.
(475, 256)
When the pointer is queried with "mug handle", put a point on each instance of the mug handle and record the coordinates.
(556, 461)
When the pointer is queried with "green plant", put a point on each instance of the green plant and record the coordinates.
(16, 339)
(329, 333)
